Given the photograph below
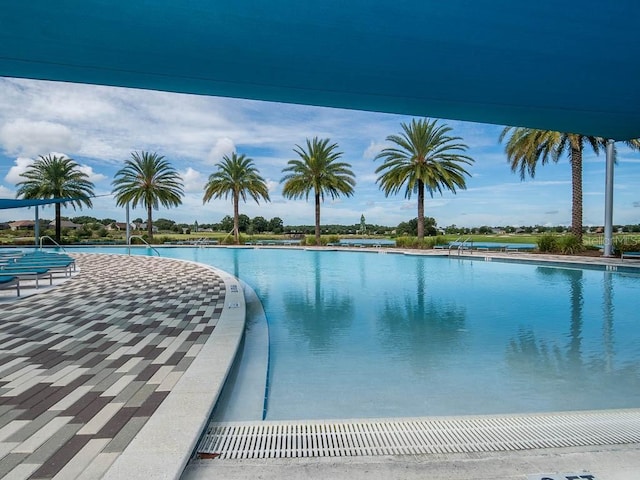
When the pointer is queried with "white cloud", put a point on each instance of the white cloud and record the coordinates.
(6, 193)
(93, 176)
(367, 178)
(272, 185)
(193, 180)
(31, 138)
(21, 165)
(372, 150)
(223, 146)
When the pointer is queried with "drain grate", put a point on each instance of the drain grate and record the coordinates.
(419, 436)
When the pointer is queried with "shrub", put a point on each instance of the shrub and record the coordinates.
(24, 241)
(413, 242)
(547, 243)
(333, 239)
(624, 244)
(228, 240)
(162, 240)
(404, 242)
(569, 245)
(440, 240)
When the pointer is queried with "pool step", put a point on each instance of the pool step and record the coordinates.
(431, 435)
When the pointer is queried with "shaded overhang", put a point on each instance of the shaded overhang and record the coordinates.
(570, 66)
(6, 203)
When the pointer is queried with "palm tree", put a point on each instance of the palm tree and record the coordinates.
(56, 177)
(317, 170)
(424, 157)
(528, 146)
(148, 179)
(237, 176)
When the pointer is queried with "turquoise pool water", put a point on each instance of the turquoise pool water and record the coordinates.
(357, 334)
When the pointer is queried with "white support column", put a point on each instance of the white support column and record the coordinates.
(608, 202)
(128, 226)
(36, 228)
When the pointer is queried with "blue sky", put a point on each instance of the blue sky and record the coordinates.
(100, 126)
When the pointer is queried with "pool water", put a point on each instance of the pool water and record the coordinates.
(359, 334)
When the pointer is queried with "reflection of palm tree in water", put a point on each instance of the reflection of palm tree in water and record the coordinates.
(318, 313)
(577, 301)
(526, 353)
(607, 319)
(236, 264)
(420, 327)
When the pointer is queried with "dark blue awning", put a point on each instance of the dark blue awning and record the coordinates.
(6, 203)
(570, 66)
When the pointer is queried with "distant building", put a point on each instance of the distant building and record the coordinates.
(66, 224)
(22, 225)
(143, 226)
(120, 226)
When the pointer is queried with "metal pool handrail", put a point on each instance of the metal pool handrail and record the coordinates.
(143, 241)
(460, 245)
(47, 236)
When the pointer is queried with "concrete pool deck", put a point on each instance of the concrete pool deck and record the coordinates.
(114, 373)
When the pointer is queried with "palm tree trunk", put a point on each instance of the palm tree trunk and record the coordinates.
(576, 190)
(149, 224)
(236, 218)
(58, 228)
(317, 218)
(420, 211)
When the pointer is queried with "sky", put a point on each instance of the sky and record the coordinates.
(100, 126)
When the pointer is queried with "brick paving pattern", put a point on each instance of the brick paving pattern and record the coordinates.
(84, 365)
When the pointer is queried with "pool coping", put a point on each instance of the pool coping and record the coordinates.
(163, 447)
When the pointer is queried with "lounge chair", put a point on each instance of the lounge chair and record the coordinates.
(7, 281)
(634, 255)
(59, 264)
(518, 248)
(64, 268)
(27, 273)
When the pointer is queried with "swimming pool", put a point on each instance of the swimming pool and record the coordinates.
(359, 334)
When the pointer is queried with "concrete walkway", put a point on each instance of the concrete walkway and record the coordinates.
(603, 462)
(85, 366)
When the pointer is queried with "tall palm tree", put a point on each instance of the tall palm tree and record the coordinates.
(319, 171)
(148, 179)
(528, 146)
(424, 157)
(237, 176)
(56, 177)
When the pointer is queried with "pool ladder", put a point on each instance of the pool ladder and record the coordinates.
(460, 246)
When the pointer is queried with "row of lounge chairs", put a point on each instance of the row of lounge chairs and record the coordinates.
(192, 242)
(34, 266)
